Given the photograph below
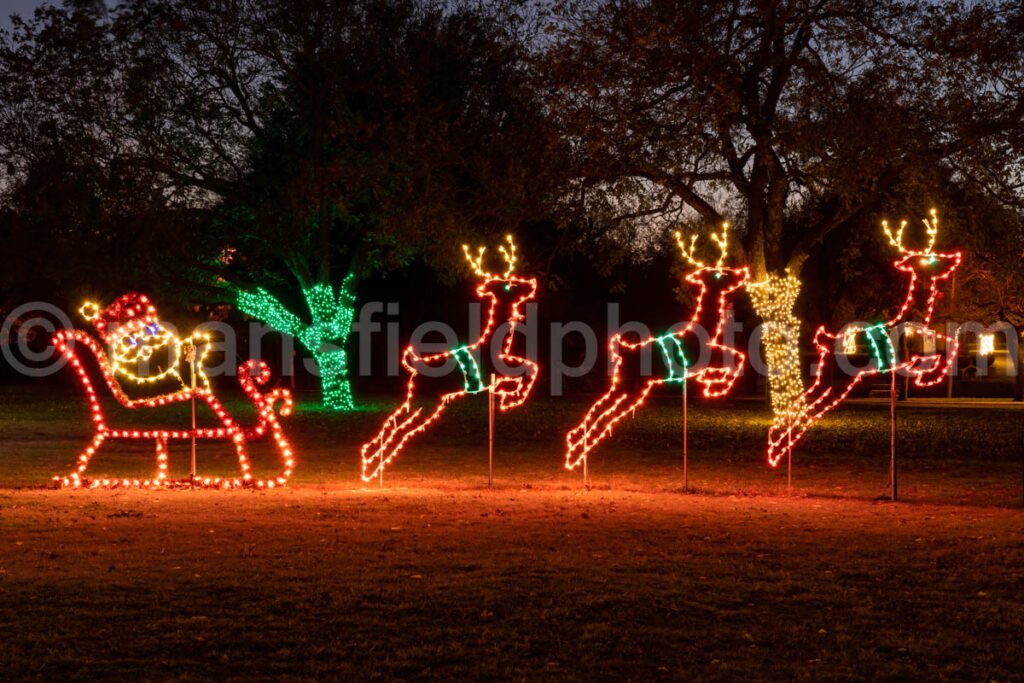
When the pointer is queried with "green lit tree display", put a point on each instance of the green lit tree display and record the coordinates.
(331, 313)
(382, 146)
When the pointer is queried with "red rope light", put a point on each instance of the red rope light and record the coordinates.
(512, 391)
(679, 352)
(927, 370)
(136, 322)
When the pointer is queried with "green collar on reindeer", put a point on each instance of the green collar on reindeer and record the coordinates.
(882, 349)
(675, 358)
(472, 380)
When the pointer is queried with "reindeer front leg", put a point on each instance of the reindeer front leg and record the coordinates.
(579, 441)
(373, 451)
(931, 369)
(513, 391)
(615, 405)
(718, 379)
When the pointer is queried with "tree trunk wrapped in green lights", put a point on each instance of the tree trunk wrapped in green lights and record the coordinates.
(324, 337)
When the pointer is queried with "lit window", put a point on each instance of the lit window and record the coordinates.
(850, 342)
(986, 344)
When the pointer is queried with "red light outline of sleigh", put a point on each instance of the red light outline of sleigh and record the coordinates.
(65, 342)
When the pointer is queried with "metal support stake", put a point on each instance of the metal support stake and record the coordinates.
(892, 436)
(586, 463)
(789, 462)
(291, 370)
(192, 381)
(490, 439)
(686, 480)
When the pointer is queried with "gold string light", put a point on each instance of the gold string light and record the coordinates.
(774, 299)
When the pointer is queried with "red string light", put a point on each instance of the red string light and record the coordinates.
(139, 316)
(927, 370)
(718, 375)
(512, 391)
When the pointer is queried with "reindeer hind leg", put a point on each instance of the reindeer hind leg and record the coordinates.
(403, 432)
(577, 440)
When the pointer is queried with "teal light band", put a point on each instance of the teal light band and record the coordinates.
(882, 349)
(675, 358)
(472, 380)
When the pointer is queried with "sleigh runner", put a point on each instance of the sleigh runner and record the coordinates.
(77, 346)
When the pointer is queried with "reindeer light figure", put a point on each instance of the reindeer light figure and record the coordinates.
(928, 269)
(678, 352)
(427, 396)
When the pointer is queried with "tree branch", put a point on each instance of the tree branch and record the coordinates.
(686, 193)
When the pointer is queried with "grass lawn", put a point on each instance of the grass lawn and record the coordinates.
(435, 575)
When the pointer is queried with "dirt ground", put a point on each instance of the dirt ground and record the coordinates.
(436, 576)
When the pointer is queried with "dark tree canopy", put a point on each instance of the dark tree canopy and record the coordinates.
(252, 143)
(307, 140)
(795, 116)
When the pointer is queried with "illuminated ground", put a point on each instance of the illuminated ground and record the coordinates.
(438, 576)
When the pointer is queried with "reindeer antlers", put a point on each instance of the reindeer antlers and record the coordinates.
(688, 252)
(722, 242)
(508, 254)
(933, 230)
(897, 239)
(477, 262)
(932, 227)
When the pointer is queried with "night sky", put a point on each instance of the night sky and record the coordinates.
(22, 7)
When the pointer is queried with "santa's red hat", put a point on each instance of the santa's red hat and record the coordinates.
(129, 307)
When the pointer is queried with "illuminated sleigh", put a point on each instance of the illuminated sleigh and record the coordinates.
(74, 344)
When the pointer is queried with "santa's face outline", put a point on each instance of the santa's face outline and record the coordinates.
(133, 345)
(133, 334)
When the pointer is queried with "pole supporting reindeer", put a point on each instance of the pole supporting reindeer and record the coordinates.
(679, 351)
(928, 269)
(511, 379)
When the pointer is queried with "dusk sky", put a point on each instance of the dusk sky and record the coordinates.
(22, 7)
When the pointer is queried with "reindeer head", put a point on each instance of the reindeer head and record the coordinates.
(716, 277)
(926, 264)
(504, 286)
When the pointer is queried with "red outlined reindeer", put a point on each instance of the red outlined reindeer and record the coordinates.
(927, 270)
(428, 395)
(133, 331)
(680, 350)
